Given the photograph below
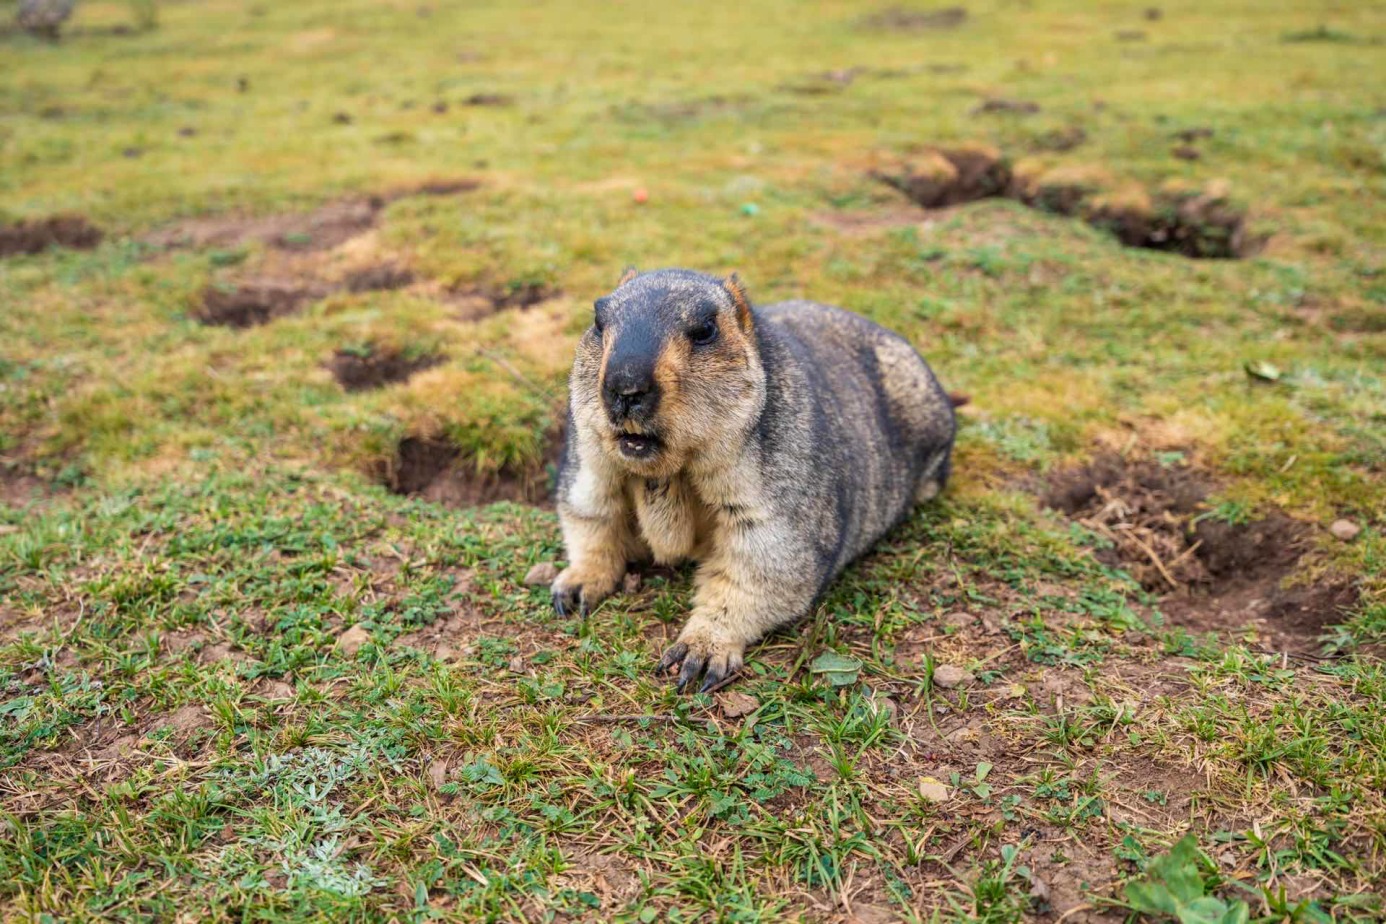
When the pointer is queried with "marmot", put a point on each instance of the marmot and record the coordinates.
(772, 445)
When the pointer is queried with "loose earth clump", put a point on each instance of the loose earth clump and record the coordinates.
(252, 303)
(320, 229)
(364, 368)
(475, 302)
(1001, 104)
(378, 278)
(438, 470)
(904, 19)
(951, 176)
(35, 235)
(490, 99)
(1194, 223)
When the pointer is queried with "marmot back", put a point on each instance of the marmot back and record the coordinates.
(771, 445)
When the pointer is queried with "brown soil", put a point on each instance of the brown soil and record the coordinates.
(36, 235)
(1187, 222)
(439, 471)
(1000, 104)
(382, 277)
(1215, 575)
(20, 488)
(1193, 225)
(680, 111)
(952, 176)
(1148, 512)
(253, 302)
(1062, 139)
(320, 229)
(447, 639)
(376, 368)
(490, 99)
(903, 19)
(477, 302)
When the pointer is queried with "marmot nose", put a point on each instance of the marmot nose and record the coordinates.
(630, 390)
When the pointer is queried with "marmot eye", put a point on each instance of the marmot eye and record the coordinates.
(704, 333)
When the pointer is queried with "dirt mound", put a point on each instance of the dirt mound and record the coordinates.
(1001, 104)
(443, 187)
(904, 19)
(437, 470)
(320, 229)
(1192, 222)
(381, 277)
(489, 99)
(1215, 574)
(364, 369)
(253, 302)
(1199, 225)
(951, 176)
(1155, 516)
(36, 235)
(481, 301)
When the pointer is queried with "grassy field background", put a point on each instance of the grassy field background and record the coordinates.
(275, 453)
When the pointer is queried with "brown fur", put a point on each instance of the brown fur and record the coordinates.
(772, 455)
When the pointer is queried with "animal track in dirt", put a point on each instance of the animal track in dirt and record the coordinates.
(376, 367)
(35, 235)
(438, 470)
(1215, 575)
(1197, 224)
(320, 229)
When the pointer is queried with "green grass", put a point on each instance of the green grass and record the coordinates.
(238, 674)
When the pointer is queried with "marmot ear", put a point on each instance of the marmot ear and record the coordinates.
(737, 290)
(629, 273)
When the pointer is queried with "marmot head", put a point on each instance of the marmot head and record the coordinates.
(669, 370)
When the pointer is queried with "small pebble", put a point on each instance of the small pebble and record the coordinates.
(352, 640)
(932, 790)
(541, 575)
(948, 676)
(1346, 530)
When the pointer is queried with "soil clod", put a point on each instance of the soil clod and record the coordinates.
(361, 369)
(382, 277)
(481, 301)
(904, 19)
(1000, 104)
(490, 99)
(437, 470)
(952, 176)
(1197, 223)
(252, 303)
(36, 235)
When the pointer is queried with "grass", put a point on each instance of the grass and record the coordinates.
(238, 673)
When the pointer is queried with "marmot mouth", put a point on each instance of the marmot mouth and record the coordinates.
(637, 445)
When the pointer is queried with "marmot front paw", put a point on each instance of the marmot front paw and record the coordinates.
(704, 650)
(579, 592)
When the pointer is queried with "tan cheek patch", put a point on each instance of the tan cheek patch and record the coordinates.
(670, 365)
